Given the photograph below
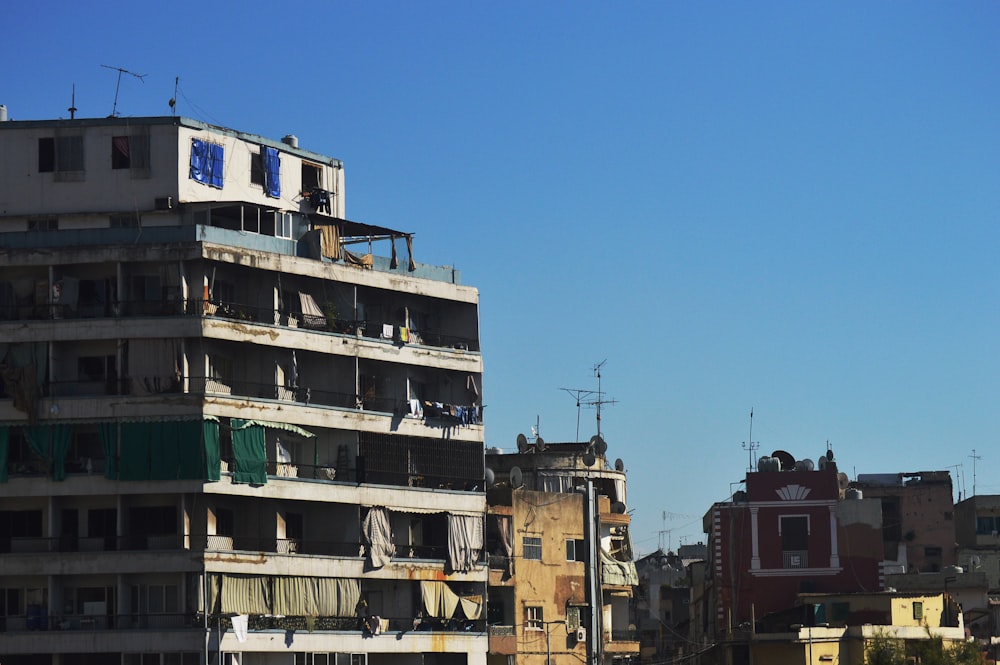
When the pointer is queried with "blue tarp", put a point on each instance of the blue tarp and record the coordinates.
(272, 171)
(207, 162)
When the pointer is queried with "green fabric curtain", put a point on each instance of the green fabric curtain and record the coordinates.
(210, 440)
(4, 446)
(164, 453)
(250, 453)
(109, 444)
(135, 451)
(51, 443)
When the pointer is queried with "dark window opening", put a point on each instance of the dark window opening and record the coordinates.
(256, 169)
(795, 533)
(312, 176)
(46, 155)
(575, 549)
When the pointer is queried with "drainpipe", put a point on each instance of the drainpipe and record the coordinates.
(596, 636)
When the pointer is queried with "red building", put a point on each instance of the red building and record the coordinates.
(797, 528)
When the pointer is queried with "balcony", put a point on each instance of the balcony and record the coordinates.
(503, 640)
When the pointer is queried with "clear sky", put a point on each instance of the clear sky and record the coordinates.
(784, 206)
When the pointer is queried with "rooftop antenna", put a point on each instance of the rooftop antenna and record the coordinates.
(600, 401)
(578, 395)
(120, 70)
(173, 100)
(72, 104)
(750, 445)
(974, 457)
(536, 427)
(959, 479)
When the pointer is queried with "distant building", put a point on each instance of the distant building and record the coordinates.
(840, 628)
(561, 571)
(918, 527)
(229, 431)
(663, 600)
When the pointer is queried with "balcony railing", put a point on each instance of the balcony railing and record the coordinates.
(214, 542)
(173, 307)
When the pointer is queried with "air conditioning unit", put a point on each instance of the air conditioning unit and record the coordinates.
(581, 634)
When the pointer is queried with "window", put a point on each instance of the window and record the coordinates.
(840, 612)
(207, 163)
(130, 152)
(918, 610)
(575, 550)
(312, 176)
(155, 599)
(270, 171)
(986, 525)
(293, 525)
(532, 548)
(533, 618)
(43, 224)
(224, 522)
(794, 532)
(60, 154)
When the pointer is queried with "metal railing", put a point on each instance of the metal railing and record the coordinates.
(172, 307)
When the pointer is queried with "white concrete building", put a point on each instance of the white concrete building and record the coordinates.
(221, 409)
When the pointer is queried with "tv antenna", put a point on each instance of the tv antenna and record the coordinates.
(173, 100)
(72, 105)
(974, 457)
(120, 70)
(579, 396)
(750, 445)
(959, 479)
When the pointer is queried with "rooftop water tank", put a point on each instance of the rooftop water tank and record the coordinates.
(290, 139)
(853, 493)
(3, 113)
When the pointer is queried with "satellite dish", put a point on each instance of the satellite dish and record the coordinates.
(490, 477)
(975, 561)
(829, 454)
(516, 477)
(589, 459)
(539, 444)
(522, 443)
(842, 481)
(600, 447)
(786, 459)
(619, 464)
(823, 461)
(618, 507)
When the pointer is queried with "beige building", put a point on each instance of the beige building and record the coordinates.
(235, 426)
(846, 625)
(561, 570)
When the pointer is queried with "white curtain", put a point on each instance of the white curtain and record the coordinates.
(465, 541)
(506, 530)
(378, 534)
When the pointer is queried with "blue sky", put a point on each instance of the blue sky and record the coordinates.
(784, 206)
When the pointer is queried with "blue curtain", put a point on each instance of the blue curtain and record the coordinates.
(272, 171)
(207, 162)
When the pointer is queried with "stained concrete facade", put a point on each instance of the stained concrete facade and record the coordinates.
(224, 399)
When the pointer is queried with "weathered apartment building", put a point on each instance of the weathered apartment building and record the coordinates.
(562, 575)
(229, 431)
